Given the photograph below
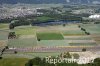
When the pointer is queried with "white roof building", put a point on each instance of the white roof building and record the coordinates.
(94, 17)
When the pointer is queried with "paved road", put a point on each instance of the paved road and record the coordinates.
(52, 49)
(57, 49)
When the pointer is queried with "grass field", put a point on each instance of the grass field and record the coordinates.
(53, 43)
(44, 54)
(3, 35)
(69, 35)
(26, 37)
(57, 36)
(73, 32)
(49, 36)
(81, 38)
(13, 62)
(31, 55)
(3, 38)
(25, 31)
(26, 42)
(82, 44)
(92, 28)
(3, 43)
(4, 25)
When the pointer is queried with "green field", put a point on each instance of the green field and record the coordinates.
(82, 38)
(82, 44)
(58, 36)
(4, 25)
(92, 28)
(53, 43)
(49, 36)
(3, 35)
(31, 55)
(69, 35)
(3, 38)
(25, 31)
(44, 54)
(26, 42)
(25, 37)
(73, 32)
(72, 29)
(13, 62)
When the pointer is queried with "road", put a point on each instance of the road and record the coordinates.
(57, 49)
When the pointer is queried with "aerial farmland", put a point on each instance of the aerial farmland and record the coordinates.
(48, 31)
(70, 35)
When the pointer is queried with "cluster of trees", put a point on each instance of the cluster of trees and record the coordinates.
(68, 55)
(42, 62)
(21, 22)
(18, 23)
(21, 19)
(65, 55)
(56, 17)
(72, 18)
(6, 20)
(52, 15)
(63, 17)
(87, 33)
(67, 16)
